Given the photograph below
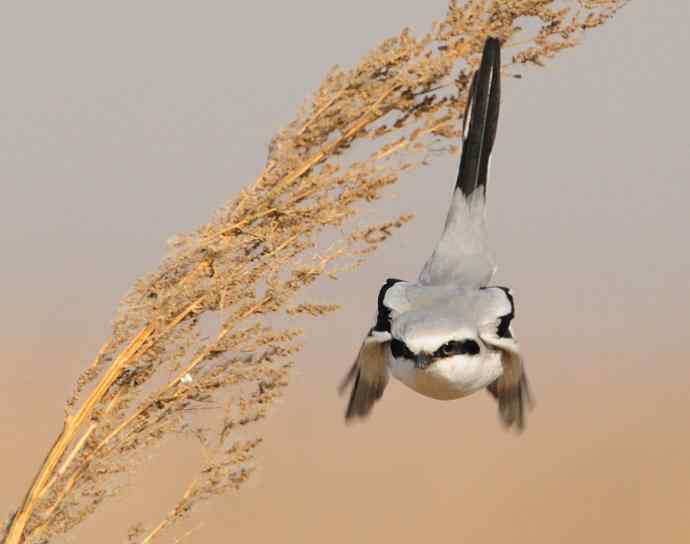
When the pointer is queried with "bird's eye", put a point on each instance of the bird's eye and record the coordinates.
(454, 347)
(399, 349)
(470, 347)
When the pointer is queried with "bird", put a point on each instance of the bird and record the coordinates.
(449, 334)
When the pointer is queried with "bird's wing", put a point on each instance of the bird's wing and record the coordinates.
(369, 374)
(369, 377)
(496, 310)
(512, 391)
(461, 255)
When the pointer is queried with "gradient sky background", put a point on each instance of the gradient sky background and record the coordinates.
(122, 124)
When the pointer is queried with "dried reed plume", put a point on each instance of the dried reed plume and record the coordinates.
(194, 334)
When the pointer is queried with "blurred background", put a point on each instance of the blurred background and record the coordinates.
(123, 124)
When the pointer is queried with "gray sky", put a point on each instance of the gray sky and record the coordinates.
(123, 124)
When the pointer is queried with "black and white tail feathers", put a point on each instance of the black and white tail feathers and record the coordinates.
(462, 255)
(481, 119)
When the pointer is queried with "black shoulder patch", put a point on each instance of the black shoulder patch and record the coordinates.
(504, 323)
(383, 313)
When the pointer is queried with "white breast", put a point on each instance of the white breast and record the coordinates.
(449, 378)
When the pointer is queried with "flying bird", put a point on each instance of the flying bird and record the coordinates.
(449, 334)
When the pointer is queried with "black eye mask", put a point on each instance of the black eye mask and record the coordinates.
(454, 347)
(399, 349)
(457, 347)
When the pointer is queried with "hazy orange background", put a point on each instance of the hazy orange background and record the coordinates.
(122, 124)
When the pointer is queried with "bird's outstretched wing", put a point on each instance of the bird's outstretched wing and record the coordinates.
(369, 377)
(512, 391)
(369, 374)
(461, 255)
(496, 310)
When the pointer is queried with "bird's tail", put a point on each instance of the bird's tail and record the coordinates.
(480, 121)
(462, 253)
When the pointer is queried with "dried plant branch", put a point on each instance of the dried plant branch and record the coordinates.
(194, 336)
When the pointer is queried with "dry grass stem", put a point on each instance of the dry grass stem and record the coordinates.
(194, 334)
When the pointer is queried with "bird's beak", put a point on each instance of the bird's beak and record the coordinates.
(423, 360)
